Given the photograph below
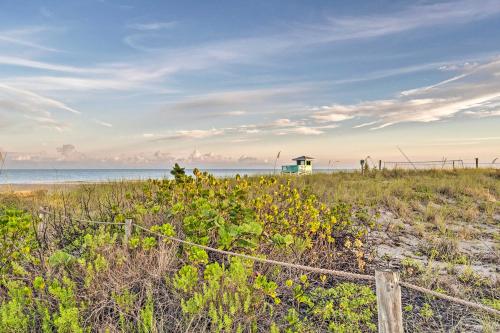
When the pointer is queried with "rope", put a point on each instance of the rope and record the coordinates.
(341, 274)
(101, 222)
(450, 298)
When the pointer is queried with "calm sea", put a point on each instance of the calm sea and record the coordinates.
(50, 176)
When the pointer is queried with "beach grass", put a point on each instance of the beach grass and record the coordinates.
(439, 228)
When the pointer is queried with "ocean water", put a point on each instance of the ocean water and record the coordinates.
(51, 176)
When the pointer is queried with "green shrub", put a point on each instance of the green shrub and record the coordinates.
(146, 316)
(13, 313)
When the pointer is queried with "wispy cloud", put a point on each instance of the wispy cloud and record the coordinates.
(22, 62)
(170, 61)
(422, 15)
(35, 101)
(25, 105)
(76, 84)
(45, 88)
(229, 100)
(475, 93)
(152, 26)
(243, 133)
(188, 134)
(102, 123)
(330, 30)
(143, 33)
(365, 124)
(235, 113)
(302, 130)
(284, 122)
(48, 122)
(26, 99)
(334, 113)
(23, 37)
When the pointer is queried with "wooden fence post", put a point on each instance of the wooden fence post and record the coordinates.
(477, 163)
(41, 226)
(390, 314)
(128, 231)
(362, 162)
(380, 164)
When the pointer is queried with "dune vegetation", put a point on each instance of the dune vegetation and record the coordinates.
(61, 273)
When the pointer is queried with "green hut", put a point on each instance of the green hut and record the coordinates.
(302, 166)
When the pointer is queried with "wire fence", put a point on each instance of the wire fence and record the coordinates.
(440, 164)
(336, 273)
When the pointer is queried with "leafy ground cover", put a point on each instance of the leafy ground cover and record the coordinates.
(439, 228)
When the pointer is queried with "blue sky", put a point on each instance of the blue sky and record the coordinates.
(230, 83)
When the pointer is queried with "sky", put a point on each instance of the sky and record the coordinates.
(145, 84)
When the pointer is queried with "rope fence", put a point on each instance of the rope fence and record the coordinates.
(341, 274)
(337, 273)
(450, 298)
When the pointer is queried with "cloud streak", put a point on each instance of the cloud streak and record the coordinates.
(23, 104)
(31, 100)
(417, 16)
(153, 26)
(21, 37)
(102, 123)
(248, 76)
(474, 93)
(168, 61)
(22, 62)
(188, 134)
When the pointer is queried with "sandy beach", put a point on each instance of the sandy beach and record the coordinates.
(26, 189)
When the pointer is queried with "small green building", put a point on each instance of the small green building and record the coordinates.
(303, 166)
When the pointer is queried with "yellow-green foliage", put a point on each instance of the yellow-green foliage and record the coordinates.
(225, 294)
(494, 303)
(147, 317)
(81, 277)
(13, 317)
(67, 319)
(16, 239)
(347, 307)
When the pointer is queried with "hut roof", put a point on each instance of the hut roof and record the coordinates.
(303, 158)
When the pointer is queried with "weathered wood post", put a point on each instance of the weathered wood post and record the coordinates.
(42, 215)
(390, 314)
(362, 162)
(128, 231)
(453, 164)
(477, 163)
(380, 164)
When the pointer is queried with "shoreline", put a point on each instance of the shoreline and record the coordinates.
(28, 188)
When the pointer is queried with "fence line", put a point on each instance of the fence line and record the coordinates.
(42, 211)
(450, 298)
(342, 274)
(440, 164)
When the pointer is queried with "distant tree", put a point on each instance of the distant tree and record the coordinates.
(178, 172)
